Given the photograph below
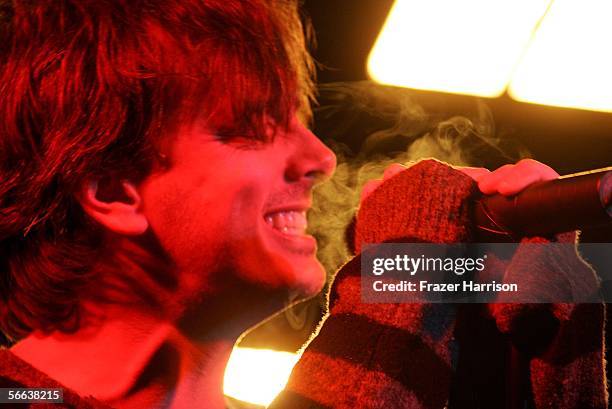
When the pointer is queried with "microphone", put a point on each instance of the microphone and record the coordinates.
(572, 202)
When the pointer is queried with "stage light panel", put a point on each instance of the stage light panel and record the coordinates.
(569, 62)
(257, 375)
(467, 47)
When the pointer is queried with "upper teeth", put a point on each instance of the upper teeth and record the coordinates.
(289, 222)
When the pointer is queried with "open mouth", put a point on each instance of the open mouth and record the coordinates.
(289, 230)
(289, 222)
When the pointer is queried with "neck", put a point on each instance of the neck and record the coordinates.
(167, 355)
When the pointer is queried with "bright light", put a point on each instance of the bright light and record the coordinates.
(467, 47)
(569, 62)
(257, 375)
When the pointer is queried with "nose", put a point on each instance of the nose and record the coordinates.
(310, 158)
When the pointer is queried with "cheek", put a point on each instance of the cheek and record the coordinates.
(195, 220)
(176, 217)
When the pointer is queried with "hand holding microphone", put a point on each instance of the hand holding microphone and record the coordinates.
(530, 199)
(571, 202)
(507, 180)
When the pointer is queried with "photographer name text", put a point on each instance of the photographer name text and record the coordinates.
(425, 286)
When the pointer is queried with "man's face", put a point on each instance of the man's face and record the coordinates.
(239, 207)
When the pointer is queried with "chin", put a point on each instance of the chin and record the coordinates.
(310, 280)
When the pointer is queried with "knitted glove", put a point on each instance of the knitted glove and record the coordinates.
(385, 355)
(564, 341)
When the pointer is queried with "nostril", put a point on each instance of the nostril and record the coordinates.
(315, 171)
(316, 175)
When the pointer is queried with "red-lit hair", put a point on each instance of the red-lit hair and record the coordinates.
(90, 87)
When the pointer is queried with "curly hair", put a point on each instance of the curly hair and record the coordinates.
(91, 87)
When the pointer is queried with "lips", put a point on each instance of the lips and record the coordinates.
(289, 222)
(288, 226)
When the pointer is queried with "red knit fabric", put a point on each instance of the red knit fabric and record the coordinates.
(405, 355)
(567, 367)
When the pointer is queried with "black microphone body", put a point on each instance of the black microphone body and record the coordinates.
(572, 202)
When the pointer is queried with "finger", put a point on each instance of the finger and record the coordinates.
(474, 173)
(489, 183)
(369, 187)
(526, 173)
(516, 184)
(545, 171)
(393, 170)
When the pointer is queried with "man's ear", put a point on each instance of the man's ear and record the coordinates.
(119, 209)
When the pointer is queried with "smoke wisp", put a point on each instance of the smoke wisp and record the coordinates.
(370, 126)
